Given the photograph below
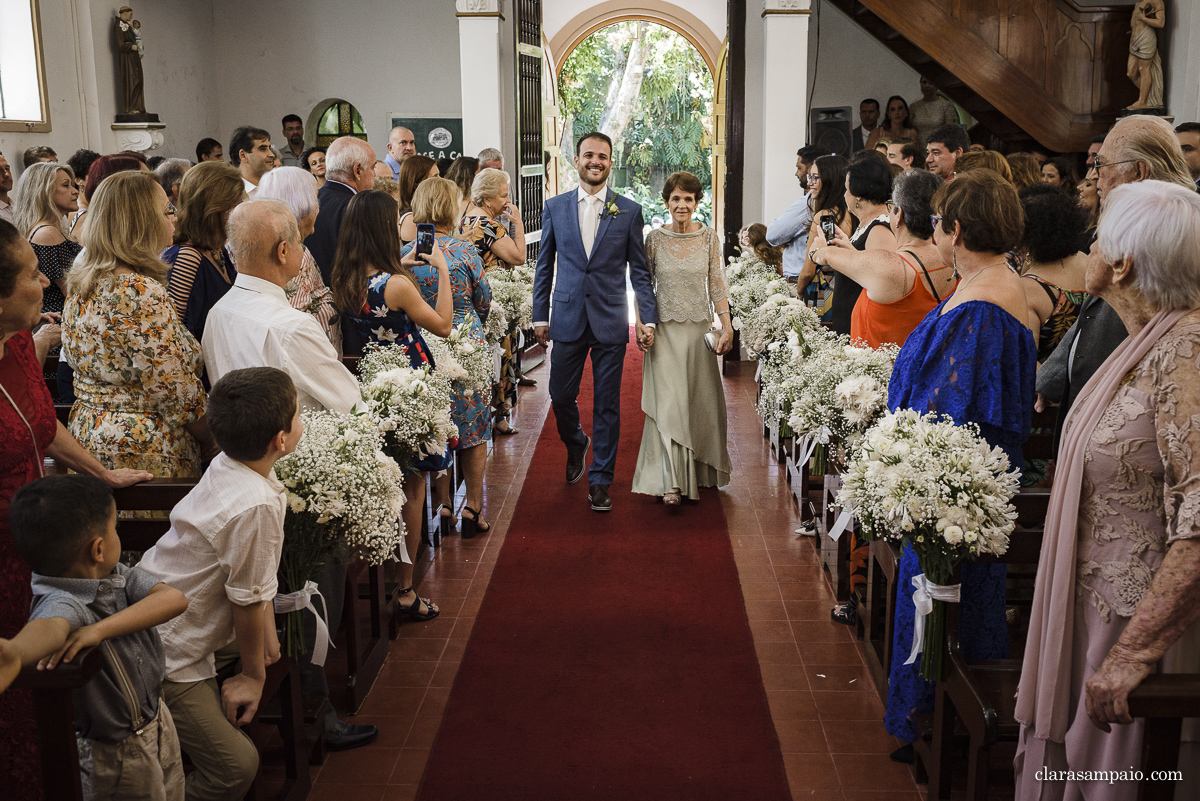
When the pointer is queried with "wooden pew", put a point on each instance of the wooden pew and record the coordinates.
(1163, 700)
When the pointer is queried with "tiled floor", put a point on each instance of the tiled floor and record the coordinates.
(826, 712)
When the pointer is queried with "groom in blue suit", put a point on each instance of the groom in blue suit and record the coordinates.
(588, 238)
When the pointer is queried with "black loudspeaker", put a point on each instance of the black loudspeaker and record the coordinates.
(831, 127)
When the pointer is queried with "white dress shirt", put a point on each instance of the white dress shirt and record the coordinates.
(251, 189)
(223, 549)
(254, 326)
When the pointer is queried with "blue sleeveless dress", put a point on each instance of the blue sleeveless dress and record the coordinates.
(377, 323)
(977, 364)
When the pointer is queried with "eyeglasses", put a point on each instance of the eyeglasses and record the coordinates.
(170, 209)
(935, 220)
(812, 179)
(1097, 164)
(890, 206)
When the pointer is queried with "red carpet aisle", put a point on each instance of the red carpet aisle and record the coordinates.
(612, 657)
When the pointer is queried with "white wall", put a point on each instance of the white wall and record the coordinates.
(1181, 64)
(288, 55)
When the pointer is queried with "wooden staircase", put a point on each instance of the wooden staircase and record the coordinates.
(1044, 71)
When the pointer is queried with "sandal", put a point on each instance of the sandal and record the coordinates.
(413, 612)
(446, 521)
(846, 614)
(507, 431)
(672, 498)
(470, 525)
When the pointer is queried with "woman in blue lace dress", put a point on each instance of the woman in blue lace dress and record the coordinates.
(377, 290)
(973, 358)
(436, 203)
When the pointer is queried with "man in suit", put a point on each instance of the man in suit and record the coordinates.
(349, 169)
(868, 118)
(588, 238)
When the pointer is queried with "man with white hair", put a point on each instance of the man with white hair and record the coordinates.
(1138, 148)
(254, 325)
(401, 144)
(349, 169)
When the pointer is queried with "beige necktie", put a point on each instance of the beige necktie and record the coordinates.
(587, 226)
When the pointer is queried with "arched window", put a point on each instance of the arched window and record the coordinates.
(339, 118)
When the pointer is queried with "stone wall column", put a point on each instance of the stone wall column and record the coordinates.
(785, 100)
(481, 66)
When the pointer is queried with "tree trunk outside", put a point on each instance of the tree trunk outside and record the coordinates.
(619, 108)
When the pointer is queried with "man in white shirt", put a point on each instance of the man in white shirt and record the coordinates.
(250, 151)
(254, 326)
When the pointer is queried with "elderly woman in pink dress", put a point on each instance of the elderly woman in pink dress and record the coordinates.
(1118, 587)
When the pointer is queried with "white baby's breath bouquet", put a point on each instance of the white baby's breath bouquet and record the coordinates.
(411, 407)
(751, 282)
(768, 327)
(938, 486)
(495, 327)
(515, 297)
(839, 391)
(465, 358)
(342, 492)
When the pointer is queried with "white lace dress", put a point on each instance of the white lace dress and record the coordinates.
(684, 439)
(1141, 493)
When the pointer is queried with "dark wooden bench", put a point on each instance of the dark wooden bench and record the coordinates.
(1164, 700)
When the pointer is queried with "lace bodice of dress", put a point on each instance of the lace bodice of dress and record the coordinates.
(1141, 485)
(688, 273)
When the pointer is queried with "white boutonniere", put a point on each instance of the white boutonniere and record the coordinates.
(611, 210)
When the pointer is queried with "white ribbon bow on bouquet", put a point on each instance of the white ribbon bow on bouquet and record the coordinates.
(926, 593)
(303, 599)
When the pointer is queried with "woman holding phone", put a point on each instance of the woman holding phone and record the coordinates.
(380, 294)
(827, 199)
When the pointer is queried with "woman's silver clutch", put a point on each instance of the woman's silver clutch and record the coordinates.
(711, 339)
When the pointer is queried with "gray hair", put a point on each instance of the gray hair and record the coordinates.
(291, 186)
(912, 191)
(1153, 141)
(490, 154)
(170, 172)
(256, 227)
(33, 197)
(1156, 225)
(487, 185)
(344, 154)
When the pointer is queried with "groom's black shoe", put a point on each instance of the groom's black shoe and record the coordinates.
(598, 495)
(575, 461)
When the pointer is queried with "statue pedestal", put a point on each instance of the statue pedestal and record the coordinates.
(139, 136)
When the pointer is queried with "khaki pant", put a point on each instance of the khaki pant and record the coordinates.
(224, 757)
(142, 767)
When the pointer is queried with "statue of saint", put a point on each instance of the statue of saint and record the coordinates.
(1145, 62)
(133, 98)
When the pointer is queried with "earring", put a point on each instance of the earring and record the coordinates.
(954, 259)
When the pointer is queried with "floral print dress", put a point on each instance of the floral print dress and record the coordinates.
(137, 381)
(483, 232)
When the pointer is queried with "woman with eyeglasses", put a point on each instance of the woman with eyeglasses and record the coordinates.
(201, 272)
(826, 177)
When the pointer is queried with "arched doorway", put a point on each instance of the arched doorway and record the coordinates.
(648, 86)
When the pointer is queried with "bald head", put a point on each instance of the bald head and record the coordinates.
(401, 143)
(1140, 148)
(265, 240)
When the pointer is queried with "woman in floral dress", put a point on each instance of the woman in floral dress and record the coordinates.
(481, 226)
(139, 401)
(436, 202)
(379, 294)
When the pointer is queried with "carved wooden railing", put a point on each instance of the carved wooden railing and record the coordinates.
(1054, 68)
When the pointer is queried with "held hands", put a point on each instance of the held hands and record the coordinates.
(1106, 693)
(542, 332)
(645, 337)
(242, 694)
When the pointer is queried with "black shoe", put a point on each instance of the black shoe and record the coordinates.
(904, 754)
(526, 382)
(598, 495)
(345, 736)
(575, 461)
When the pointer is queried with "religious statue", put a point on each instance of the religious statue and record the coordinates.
(1145, 62)
(132, 95)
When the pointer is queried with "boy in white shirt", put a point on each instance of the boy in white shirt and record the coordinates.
(223, 552)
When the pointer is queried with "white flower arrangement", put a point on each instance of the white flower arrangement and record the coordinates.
(751, 282)
(941, 488)
(495, 327)
(838, 391)
(465, 359)
(411, 407)
(342, 491)
(515, 297)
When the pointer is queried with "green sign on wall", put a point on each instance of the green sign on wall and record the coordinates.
(437, 137)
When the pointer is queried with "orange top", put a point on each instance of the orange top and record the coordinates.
(880, 323)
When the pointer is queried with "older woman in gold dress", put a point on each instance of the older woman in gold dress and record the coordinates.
(684, 439)
(1118, 587)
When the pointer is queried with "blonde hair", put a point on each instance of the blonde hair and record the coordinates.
(387, 186)
(124, 224)
(984, 160)
(487, 185)
(436, 201)
(33, 198)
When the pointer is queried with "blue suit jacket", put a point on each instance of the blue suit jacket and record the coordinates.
(591, 291)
